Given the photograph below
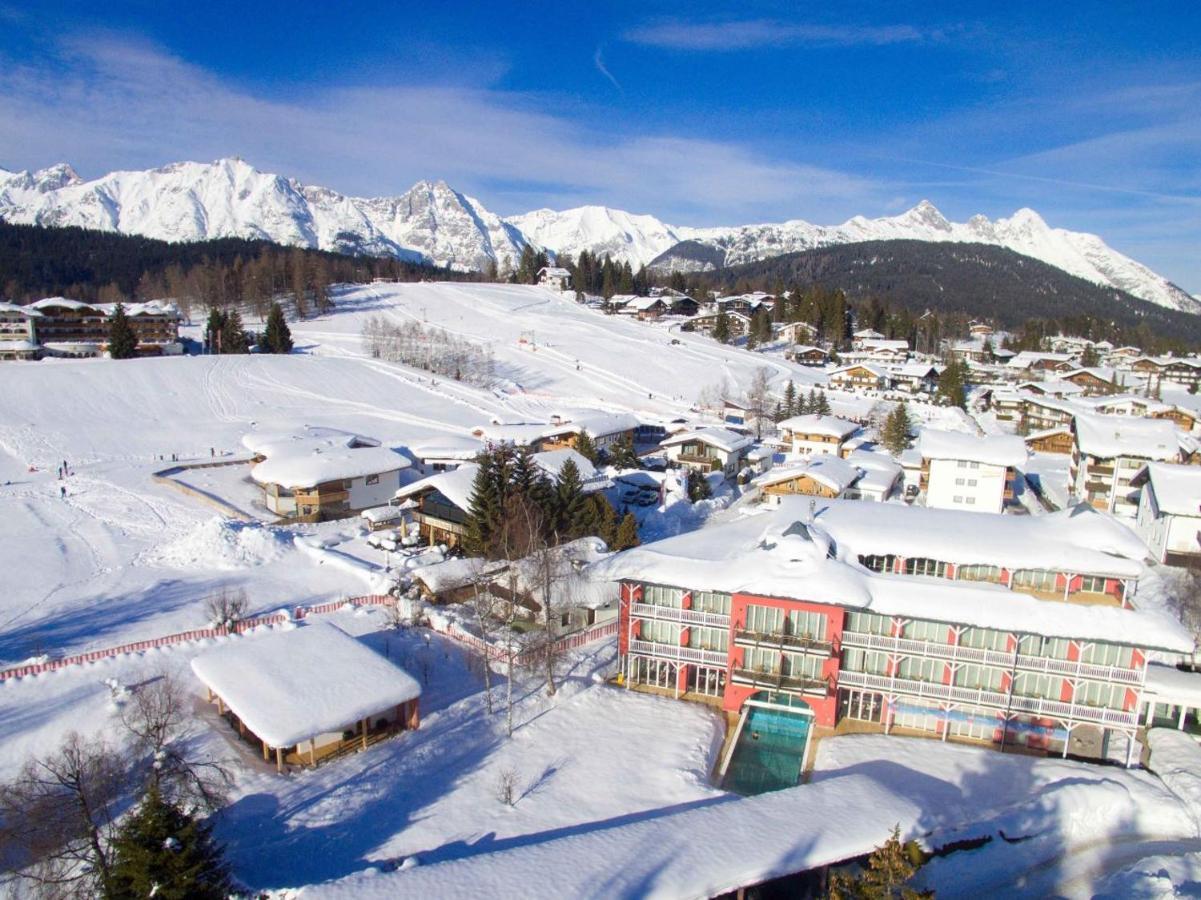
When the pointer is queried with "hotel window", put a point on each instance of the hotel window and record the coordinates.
(971, 482)
(959, 482)
(1093, 584)
(373, 479)
(935, 632)
(1035, 579)
(759, 659)
(711, 601)
(920, 566)
(922, 669)
(1107, 655)
(985, 639)
(979, 678)
(807, 623)
(709, 638)
(801, 666)
(868, 623)
(878, 563)
(1028, 684)
(1097, 693)
(870, 662)
(657, 595)
(957, 499)
(979, 573)
(764, 619)
(659, 632)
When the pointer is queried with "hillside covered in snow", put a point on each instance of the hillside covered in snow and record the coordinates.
(434, 223)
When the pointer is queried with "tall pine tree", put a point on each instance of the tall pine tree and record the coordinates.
(233, 334)
(122, 341)
(163, 852)
(277, 338)
(569, 500)
(627, 534)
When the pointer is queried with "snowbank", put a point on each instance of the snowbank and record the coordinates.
(223, 544)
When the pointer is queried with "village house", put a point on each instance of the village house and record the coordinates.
(796, 332)
(821, 476)
(1007, 405)
(1051, 440)
(317, 474)
(647, 308)
(1052, 387)
(879, 478)
(605, 429)
(816, 435)
(1108, 451)
(807, 355)
(708, 450)
(1042, 413)
(737, 323)
(802, 609)
(916, 378)
(962, 471)
(445, 452)
(1094, 381)
(308, 693)
(1033, 362)
(1169, 511)
(864, 334)
(857, 377)
(555, 278)
(885, 351)
(980, 329)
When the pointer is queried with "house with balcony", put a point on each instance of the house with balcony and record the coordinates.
(963, 471)
(1169, 511)
(821, 476)
(1056, 440)
(777, 607)
(1094, 382)
(18, 332)
(1108, 451)
(807, 355)
(708, 450)
(315, 474)
(816, 435)
(857, 377)
(555, 277)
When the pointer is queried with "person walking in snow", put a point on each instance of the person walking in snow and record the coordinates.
(62, 492)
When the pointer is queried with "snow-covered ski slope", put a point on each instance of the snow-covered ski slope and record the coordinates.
(123, 557)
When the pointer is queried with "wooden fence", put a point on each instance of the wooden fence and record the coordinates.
(578, 639)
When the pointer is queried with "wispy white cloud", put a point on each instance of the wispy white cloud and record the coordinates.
(109, 103)
(744, 34)
(598, 60)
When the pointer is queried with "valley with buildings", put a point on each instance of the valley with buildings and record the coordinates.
(496, 485)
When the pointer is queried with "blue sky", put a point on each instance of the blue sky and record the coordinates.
(699, 114)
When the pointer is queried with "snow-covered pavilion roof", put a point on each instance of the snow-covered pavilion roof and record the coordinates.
(1108, 437)
(995, 450)
(291, 685)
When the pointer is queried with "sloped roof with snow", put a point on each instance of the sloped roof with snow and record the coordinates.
(831, 426)
(312, 466)
(600, 424)
(291, 685)
(1108, 437)
(455, 485)
(835, 473)
(27, 311)
(267, 443)
(844, 369)
(1080, 539)
(995, 450)
(721, 438)
(449, 446)
(776, 555)
(64, 303)
(1177, 488)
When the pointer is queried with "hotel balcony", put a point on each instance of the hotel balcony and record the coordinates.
(996, 658)
(798, 642)
(676, 614)
(777, 681)
(717, 658)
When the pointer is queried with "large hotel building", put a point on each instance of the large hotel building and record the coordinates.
(1011, 629)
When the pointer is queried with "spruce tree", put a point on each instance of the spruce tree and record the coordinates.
(162, 852)
(627, 533)
(233, 334)
(606, 518)
(623, 455)
(951, 384)
(721, 327)
(790, 399)
(569, 501)
(887, 874)
(485, 508)
(122, 341)
(821, 405)
(585, 446)
(896, 429)
(277, 338)
(213, 330)
(811, 404)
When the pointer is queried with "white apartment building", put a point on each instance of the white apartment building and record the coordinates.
(962, 471)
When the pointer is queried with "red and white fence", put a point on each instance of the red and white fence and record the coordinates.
(578, 639)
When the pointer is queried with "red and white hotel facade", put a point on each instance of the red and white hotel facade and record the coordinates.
(1018, 683)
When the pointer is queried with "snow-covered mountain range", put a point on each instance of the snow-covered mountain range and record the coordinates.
(433, 222)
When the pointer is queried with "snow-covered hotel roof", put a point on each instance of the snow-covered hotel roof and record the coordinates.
(777, 555)
(1108, 437)
(996, 450)
(289, 686)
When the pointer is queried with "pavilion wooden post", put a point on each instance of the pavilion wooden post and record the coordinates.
(220, 705)
(279, 760)
(364, 725)
(266, 750)
(312, 751)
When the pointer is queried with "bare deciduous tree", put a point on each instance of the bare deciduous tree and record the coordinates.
(156, 715)
(758, 398)
(57, 819)
(226, 608)
(506, 786)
